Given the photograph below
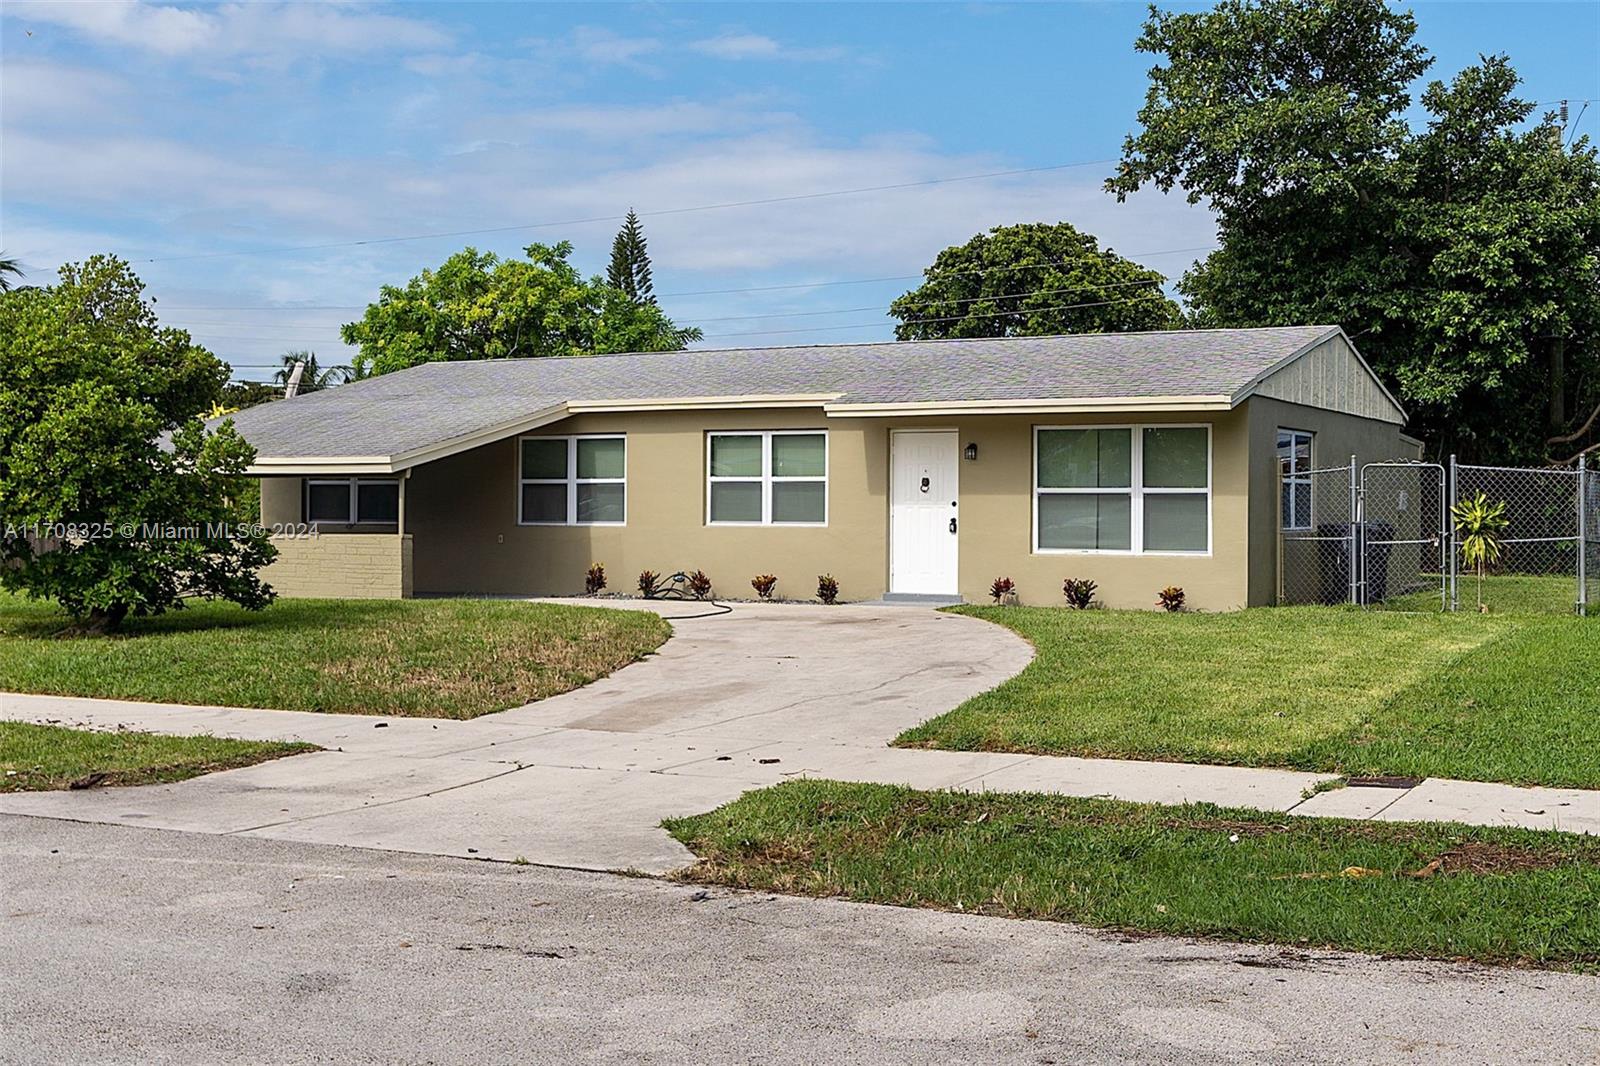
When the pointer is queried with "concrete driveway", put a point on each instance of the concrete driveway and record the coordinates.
(731, 702)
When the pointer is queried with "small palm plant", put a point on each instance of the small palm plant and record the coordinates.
(1479, 524)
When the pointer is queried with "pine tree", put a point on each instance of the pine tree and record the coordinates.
(630, 262)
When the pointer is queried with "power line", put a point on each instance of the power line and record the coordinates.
(617, 218)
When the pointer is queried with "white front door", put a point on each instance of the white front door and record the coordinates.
(924, 468)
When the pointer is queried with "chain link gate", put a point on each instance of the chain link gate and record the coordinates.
(1589, 527)
(1547, 543)
(1317, 546)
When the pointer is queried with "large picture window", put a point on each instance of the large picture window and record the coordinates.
(778, 477)
(572, 481)
(1122, 489)
(352, 501)
(1294, 470)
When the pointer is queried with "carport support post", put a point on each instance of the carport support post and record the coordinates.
(1450, 533)
(1355, 535)
(1583, 539)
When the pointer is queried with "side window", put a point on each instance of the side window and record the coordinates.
(1294, 474)
(572, 481)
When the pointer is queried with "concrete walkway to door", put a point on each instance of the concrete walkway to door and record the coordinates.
(733, 701)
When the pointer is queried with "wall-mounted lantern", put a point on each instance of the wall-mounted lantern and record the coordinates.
(972, 453)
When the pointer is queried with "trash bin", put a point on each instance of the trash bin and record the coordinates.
(1377, 542)
(1333, 563)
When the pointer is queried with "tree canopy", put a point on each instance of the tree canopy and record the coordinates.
(315, 377)
(629, 269)
(1462, 255)
(1032, 279)
(479, 306)
(114, 497)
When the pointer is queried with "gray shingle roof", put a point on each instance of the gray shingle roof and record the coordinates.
(430, 405)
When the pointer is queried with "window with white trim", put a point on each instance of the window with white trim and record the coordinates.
(352, 501)
(1126, 489)
(774, 477)
(1294, 474)
(572, 481)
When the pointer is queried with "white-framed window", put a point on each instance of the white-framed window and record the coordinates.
(1122, 489)
(352, 501)
(1294, 475)
(767, 478)
(572, 481)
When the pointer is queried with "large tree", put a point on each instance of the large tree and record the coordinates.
(629, 269)
(1461, 254)
(479, 306)
(1032, 280)
(114, 497)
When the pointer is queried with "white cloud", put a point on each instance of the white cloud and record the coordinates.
(32, 90)
(597, 45)
(737, 46)
(263, 30)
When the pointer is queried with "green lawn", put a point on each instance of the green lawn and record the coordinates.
(443, 658)
(1482, 697)
(1496, 895)
(36, 757)
(1502, 594)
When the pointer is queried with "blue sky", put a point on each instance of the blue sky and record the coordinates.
(181, 136)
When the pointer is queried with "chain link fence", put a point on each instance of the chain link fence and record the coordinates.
(1385, 533)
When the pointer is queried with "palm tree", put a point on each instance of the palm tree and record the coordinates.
(8, 267)
(314, 377)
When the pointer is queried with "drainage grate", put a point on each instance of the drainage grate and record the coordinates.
(1384, 782)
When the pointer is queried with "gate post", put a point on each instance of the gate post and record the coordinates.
(1450, 536)
(1356, 551)
(1583, 539)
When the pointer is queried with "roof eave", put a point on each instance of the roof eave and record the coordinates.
(1085, 405)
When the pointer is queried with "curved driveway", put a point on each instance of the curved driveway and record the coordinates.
(730, 702)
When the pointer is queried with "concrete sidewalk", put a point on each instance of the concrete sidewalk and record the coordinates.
(740, 701)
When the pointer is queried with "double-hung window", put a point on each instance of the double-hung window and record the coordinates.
(352, 501)
(572, 481)
(1122, 489)
(1294, 471)
(778, 477)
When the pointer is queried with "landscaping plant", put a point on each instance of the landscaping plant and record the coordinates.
(827, 588)
(1003, 590)
(763, 583)
(1479, 524)
(1079, 592)
(595, 579)
(649, 584)
(1170, 598)
(699, 584)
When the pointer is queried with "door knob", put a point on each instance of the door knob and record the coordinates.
(952, 525)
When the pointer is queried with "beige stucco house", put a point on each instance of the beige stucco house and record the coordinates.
(904, 469)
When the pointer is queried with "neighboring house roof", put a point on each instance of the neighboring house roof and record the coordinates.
(398, 420)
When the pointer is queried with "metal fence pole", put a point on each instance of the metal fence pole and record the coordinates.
(1583, 540)
(1454, 603)
(1355, 535)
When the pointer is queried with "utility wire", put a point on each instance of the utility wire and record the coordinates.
(617, 218)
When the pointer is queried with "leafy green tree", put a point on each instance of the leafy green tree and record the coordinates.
(630, 262)
(9, 268)
(315, 377)
(1462, 255)
(1033, 279)
(112, 492)
(478, 306)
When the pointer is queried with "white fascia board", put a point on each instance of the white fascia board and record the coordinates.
(1087, 405)
(702, 403)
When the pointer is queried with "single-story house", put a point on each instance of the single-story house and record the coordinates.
(912, 468)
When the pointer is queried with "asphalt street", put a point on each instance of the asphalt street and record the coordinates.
(124, 945)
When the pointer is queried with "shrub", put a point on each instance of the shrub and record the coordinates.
(827, 588)
(649, 584)
(1170, 598)
(763, 583)
(699, 584)
(1002, 588)
(595, 579)
(1079, 592)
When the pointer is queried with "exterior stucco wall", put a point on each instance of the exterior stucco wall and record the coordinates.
(348, 566)
(461, 512)
(1336, 437)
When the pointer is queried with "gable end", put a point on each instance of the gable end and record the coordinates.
(1331, 375)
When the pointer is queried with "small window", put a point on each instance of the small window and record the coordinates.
(1123, 489)
(353, 501)
(779, 477)
(1294, 472)
(565, 481)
